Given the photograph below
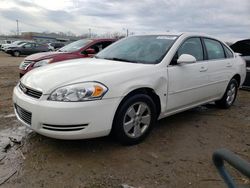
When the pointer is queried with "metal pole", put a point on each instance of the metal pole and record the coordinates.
(89, 32)
(17, 28)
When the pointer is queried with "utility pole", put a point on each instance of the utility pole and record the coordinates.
(126, 31)
(89, 32)
(17, 27)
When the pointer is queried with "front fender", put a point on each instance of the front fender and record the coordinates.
(158, 84)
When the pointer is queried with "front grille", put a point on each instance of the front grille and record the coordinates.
(31, 92)
(64, 127)
(23, 114)
(24, 65)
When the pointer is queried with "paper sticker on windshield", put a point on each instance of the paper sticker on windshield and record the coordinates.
(167, 37)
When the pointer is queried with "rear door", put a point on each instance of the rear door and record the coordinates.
(188, 83)
(27, 49)
(220, 64)
(40, 48)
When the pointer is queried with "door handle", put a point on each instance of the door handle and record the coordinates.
(203, 69)
(229, 65)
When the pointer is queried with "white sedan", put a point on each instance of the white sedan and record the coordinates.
(125, 88)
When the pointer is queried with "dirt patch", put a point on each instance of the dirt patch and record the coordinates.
(176, 154)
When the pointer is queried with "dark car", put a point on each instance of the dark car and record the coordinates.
(57, 45)
(243, 47)
(79, 49)
(27, 49)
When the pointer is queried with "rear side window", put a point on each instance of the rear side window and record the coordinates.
(214, 49)
(228, 53)
(192, 47)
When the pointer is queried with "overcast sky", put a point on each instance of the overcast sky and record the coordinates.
(226, 19)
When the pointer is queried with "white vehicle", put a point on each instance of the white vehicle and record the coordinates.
(12, 45)
(51, 48)
(4, 43)
(128, 86)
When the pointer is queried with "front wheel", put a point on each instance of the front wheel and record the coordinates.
(134, 119)
(16, 53)
(229, 96)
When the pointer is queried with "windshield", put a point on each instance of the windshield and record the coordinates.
(74, 46)
(16, 43)
(19, 43)
(149, 49)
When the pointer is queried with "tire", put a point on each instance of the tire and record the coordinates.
(16, 53)
(134, 119)
(229, 96)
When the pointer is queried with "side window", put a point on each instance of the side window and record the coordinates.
(100, 46)
(29, 45)
(228, 53)
(106, 44)
(97, 47)
(192, 47)
(214, 49)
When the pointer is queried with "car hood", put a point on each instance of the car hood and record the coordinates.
(50, 77)
(43, 55)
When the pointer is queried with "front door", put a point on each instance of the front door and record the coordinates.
(188, 83)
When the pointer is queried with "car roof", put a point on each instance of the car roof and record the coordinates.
(102, 39)
(177, 34)
(184, 34)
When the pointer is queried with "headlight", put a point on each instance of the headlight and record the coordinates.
(42, 62)
(79, 92)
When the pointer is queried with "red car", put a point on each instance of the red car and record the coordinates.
(79, 49)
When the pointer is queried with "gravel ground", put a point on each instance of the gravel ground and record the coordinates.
(176, 154)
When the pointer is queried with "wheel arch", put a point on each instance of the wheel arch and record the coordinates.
(143, 90)
(16, 51)
(237, 78)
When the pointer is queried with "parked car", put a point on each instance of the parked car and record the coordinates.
(27, 49)
(50, 47)
(126, 87)
(243, 47)
(78, 49)
(56, 45)
(14, 45)
(4, 43)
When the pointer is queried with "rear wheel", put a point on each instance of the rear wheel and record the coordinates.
(229, 96)
(134, 119)
(16, 53)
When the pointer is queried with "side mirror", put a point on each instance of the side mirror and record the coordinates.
(186, 58)
(90, 51)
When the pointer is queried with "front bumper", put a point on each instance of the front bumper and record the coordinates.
(66, 120)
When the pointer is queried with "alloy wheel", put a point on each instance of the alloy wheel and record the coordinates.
(137, 119)
(231, 94)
